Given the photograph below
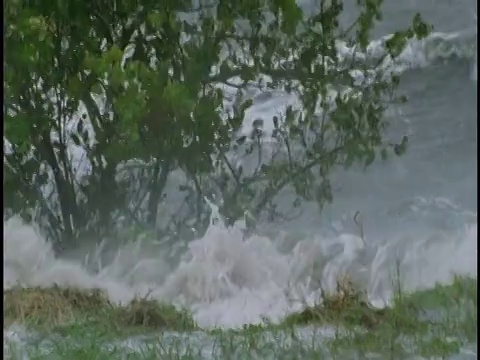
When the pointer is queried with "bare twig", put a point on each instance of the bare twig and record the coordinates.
(359, 223)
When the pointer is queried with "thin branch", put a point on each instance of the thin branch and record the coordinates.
(271, 192)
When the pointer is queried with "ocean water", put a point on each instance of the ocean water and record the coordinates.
(419, 210)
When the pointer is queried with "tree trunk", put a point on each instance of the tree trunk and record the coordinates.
(157, 185)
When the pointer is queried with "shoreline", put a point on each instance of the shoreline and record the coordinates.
(440, 321)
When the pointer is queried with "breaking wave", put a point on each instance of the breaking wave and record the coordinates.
(435, 50)
(229, 281)
(438, 48)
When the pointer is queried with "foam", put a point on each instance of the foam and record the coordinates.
(229, 281)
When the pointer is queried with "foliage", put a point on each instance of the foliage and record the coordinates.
(123, 86)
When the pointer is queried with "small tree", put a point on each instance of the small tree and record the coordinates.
(115, 82)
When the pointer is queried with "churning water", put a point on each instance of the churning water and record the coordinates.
(419, 210)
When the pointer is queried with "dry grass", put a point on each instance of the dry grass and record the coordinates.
(346, 305)
(151, 314)
(55, 306)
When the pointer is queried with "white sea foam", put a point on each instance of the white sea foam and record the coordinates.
(229, 281)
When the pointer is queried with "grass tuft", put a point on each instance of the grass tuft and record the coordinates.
(53, 305)
(346, 306)
(48, 308)
(152, 314)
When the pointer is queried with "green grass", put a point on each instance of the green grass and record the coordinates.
(432, 323)
(59, 310)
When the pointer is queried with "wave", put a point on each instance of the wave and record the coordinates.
(436, 49)
(229, 281)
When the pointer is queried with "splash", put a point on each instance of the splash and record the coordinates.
(229, 281)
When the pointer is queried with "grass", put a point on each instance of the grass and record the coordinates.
(58, 309)
(346, 306)
(79, 324)
(432, 323)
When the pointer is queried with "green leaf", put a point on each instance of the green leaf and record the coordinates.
(421, 29)
(75, 139)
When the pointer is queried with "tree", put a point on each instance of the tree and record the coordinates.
(143, 86)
